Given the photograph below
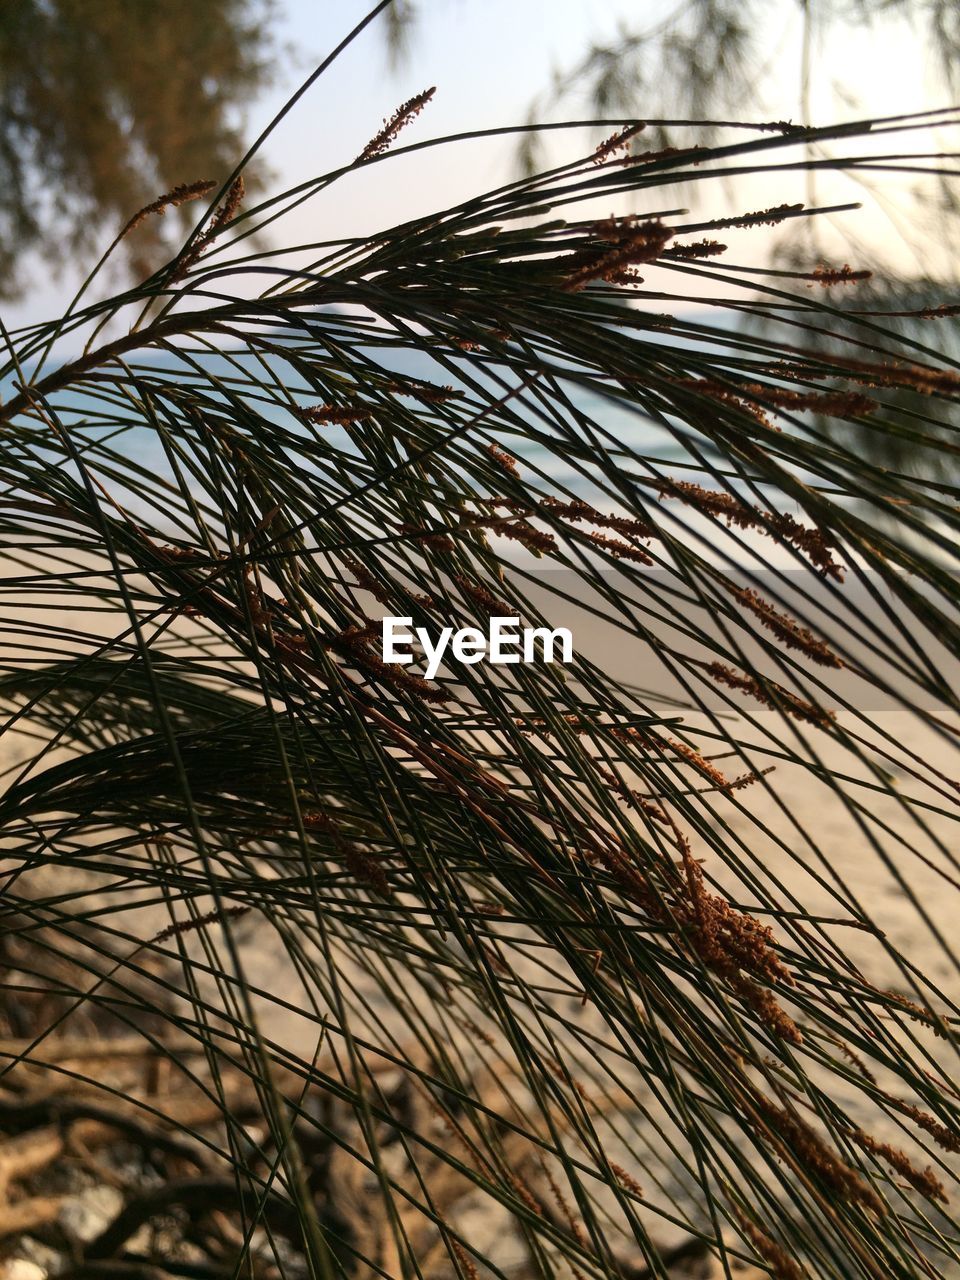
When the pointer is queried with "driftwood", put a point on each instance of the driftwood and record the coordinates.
(144, 1114)
(68, 1120)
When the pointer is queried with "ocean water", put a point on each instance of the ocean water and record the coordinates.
(556, 442)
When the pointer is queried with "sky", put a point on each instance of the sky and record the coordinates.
(489, 59)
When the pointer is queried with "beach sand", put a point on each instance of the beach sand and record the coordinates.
(862, 851)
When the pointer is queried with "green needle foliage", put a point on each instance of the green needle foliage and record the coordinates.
(533, 969)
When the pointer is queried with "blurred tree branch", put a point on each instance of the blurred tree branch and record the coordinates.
(104, 105)
(705, 61)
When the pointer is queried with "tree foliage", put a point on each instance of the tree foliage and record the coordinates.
(104, 104)
(602, 963)
(704, 59)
